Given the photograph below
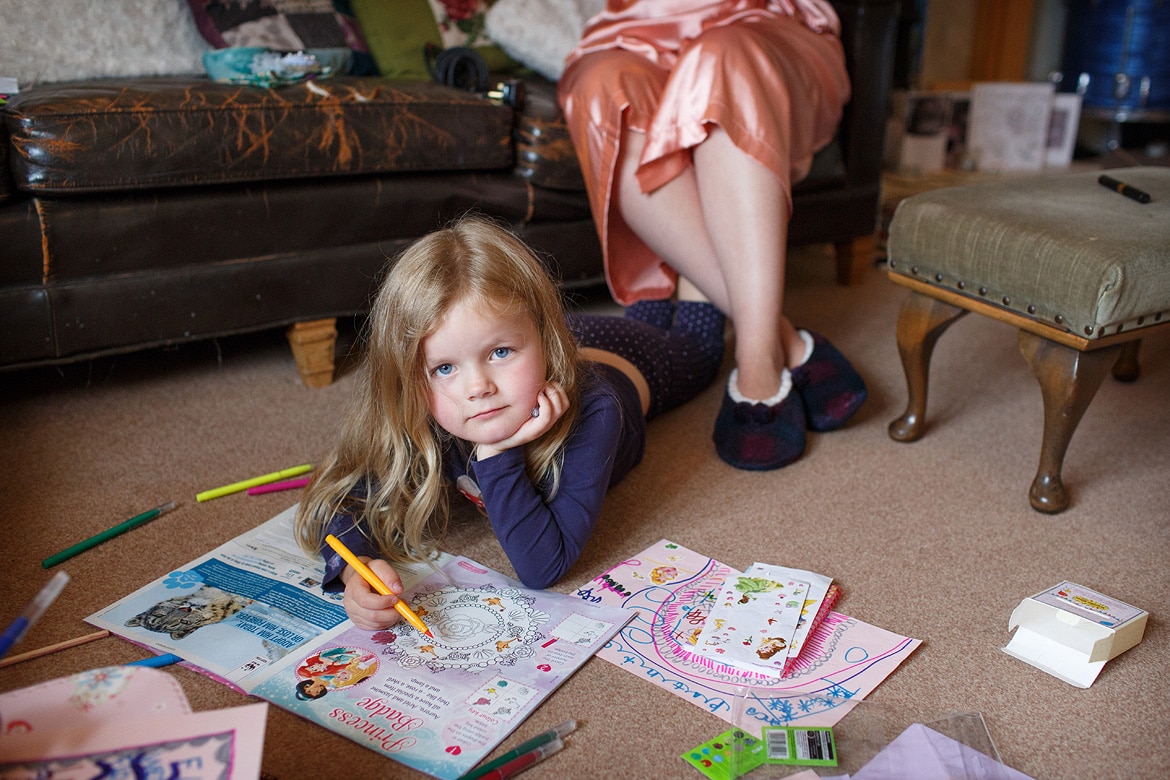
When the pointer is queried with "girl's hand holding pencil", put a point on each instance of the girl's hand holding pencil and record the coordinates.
(379, 583)
(368, 609)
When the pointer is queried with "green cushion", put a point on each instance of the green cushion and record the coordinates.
(397, 32)
(1061, 249)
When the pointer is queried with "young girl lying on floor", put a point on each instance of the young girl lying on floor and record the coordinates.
(474, 376)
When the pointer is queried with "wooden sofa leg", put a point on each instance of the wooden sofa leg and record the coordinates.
(921, 321)
(1127, 369)
(1069, 378)
(854, 258)
(313, 344)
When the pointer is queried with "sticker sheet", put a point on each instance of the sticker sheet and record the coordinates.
(752, 624)
(818, 589)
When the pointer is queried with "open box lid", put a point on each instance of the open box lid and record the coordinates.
(1070, 631)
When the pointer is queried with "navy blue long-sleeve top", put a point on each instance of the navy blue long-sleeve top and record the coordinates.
(541, 536)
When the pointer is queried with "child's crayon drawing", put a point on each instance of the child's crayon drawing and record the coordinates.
(848, 658)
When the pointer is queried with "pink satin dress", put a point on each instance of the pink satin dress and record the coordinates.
(769, 72)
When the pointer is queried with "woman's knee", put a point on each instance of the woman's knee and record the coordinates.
(604, 77)
(740, 47)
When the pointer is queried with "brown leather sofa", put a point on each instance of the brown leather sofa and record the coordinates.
(145, 212)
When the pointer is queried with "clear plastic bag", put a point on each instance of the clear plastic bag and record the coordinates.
(930, 746)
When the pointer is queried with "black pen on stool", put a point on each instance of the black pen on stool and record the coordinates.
(1127, 190)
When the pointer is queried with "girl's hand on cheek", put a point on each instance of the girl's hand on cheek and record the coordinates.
(551, 403)
(368, 609)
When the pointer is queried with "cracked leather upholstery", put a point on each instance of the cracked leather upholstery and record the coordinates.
(105, 136)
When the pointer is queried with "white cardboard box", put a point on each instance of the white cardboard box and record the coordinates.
(1070, 631)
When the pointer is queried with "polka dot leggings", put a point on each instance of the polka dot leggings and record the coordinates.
(677, 347)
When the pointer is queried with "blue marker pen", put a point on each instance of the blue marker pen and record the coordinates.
(166, 659)
(32, 612)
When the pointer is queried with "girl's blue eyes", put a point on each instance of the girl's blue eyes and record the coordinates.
(499, 353)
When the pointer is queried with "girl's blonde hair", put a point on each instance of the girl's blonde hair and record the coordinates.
(391, 451)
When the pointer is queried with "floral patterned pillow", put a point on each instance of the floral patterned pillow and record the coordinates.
(460, 22)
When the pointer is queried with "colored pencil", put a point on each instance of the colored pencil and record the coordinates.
(559, 732)
(377, 584)
(166, 659)
(531, 758)
(107, 534)
(32, 611)
(47, 649)
(237, 487)
(274, 487)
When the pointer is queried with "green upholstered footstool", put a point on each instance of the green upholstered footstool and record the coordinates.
(1081, 270)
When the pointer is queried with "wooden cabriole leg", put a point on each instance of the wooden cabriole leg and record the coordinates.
(313, 344)
(854, 258)
(920, 323)
(1126, 369)
(1069, 378)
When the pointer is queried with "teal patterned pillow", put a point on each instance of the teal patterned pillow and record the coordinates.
(284, 25)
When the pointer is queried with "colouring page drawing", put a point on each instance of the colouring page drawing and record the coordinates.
(441, 703)
(252, 614)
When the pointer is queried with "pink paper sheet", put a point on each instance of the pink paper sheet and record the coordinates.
(122, 721)
(670, 589)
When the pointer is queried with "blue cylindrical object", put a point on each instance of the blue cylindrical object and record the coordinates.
(1117, 55)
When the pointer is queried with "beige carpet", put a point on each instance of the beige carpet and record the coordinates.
(934, 540)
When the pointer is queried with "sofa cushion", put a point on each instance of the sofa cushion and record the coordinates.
(398, 32)
(143, 133)
(544, 151)
(289, 25)
(92, 274)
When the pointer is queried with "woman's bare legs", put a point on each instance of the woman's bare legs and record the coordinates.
(722, 225)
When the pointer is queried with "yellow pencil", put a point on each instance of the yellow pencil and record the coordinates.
(377, 584)
(236, 487)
